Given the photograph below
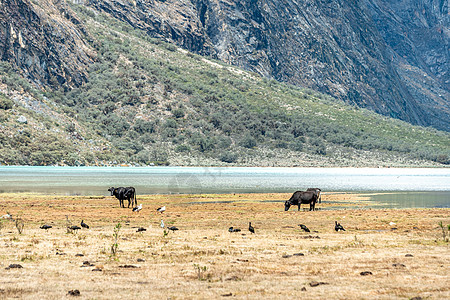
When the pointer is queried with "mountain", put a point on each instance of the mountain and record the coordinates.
(389, 56)
(91, 86)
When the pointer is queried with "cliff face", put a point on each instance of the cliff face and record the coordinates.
(374, 54)
(44, 41)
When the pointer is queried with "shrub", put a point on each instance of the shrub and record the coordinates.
(182, 148)
(248, 141)
(178, 113)
(5, 103)
(228, 157)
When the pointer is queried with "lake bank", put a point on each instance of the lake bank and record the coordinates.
(203, 260)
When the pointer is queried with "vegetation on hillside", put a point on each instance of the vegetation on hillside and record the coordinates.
(148, 102)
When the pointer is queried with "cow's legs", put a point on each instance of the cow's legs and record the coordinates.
(299, 206)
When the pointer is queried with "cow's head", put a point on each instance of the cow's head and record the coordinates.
(111, 189)
(287, 205)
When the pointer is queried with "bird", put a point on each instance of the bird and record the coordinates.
(232, 229)
(162, 223)
(74, 227)
(7, 216)
(46, 227)
(306, 229)
(250, 227)
(161, 209)
(137, 208)
(84, 225)
(141, 229)
(173, 228)
(338, 226)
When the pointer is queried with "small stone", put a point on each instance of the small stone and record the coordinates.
(315, 283)
(409, 255)
(128, 266)
(365, 273)
(22, 119)
(97, 269)
(74, 293)
(140, 260)
(79, 254)
(416, 298)
(303, 289)
(227, 295)
(399, 265)
(14, 266)
(299, 254)
(286, 256)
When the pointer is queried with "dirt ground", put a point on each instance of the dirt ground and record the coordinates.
(403, 251)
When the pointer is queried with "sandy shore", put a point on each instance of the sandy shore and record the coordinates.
(403, 250)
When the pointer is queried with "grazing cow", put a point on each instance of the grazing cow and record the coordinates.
(124, 193)
(300, 197)
(318, 191)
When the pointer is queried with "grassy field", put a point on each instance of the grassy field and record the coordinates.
(202, 260)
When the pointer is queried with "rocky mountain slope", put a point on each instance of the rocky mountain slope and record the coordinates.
(45, 42)
(347, 49)
(389, 56)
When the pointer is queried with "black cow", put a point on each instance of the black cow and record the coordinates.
(318, 191)
(124, 193)
(300, 197)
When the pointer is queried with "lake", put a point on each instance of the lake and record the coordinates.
(427, 187)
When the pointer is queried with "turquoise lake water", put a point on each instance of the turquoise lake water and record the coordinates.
(424, 187)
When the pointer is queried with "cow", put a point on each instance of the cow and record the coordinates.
(318, 192)
(124, 193)
(299, 197)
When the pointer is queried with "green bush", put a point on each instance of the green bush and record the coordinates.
(5, 103)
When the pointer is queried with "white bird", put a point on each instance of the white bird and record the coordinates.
(137, 208)
(161, 209)
(392, 223)
(162, 224)
(7, 216)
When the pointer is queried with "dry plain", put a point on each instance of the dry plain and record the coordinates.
(202, 260)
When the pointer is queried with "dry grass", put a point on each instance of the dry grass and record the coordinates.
(204, 261)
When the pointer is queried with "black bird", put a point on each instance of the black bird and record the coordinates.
(232, 229)
(173, 228)
(84, 225)
(46, 227)
(74, 227)
(250, 227)
(338, 226)
(306, 229)
(141, 229)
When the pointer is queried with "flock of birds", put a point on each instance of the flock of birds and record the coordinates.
(337, 226)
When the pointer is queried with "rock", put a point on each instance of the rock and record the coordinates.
(74, 293)
(128, 266)
(79, 254)
(409, 255)
(87, 264)
(22, 119)
(227, 295)
(14, 266)
(299, 254)
(365, 273)
(316, 283)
